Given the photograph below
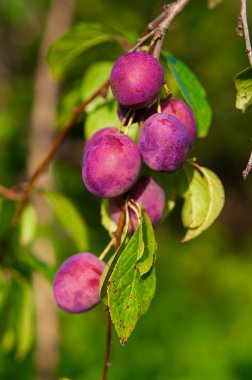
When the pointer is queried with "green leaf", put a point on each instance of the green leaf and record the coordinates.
(69, 218)
(216, 202)
(243, 85)
(76, 41)
(106, 220)
(193, 92)
(25, 327)
(104, 115)
(147, 246)
(129, 293)
(28, 225)
(95, 76)
(196, 197)
(31, 261)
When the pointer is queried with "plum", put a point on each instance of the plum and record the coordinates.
(183, 112)
(96, 135)
(163, 142)
(112, 165)
(136, 79)
(152, 198)
(76, 283)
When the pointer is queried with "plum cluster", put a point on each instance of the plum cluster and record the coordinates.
(112, 163)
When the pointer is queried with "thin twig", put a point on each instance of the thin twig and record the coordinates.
(52, 150)
(172, 11)
(108, 346)
(242, 29)
(10, 194)
(248, 168)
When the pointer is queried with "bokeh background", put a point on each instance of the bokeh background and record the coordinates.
(199, 325)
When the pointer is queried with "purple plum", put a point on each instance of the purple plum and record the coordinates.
(152, 198)
(112, 165)
(183, 112)
(164, 142)
(136, 79)
(96, 135)
(76, 283)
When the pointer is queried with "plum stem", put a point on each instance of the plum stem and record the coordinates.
(107, 248)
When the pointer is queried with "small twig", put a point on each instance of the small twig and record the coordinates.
(107, 248)
(242, 29)
(108, 346)
(10, 194)
(56, 143)
(248, 168)
(172, 11)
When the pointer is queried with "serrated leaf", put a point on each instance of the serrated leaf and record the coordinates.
(193, 92)
(76, 41)
(69, 217)
(28, 225)
(215, 205)
(25, 324)
(196, 199)
(129, 293)
(243, 85)
(104, 115)
(147, 246)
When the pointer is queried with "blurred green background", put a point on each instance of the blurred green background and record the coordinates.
(199, 325)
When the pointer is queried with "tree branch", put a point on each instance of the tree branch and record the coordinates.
(52, 150)
(108, 346)
(242, 29)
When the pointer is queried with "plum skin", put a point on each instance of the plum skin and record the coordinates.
(101, 132)
(151, 196)
(136, 79)
(183, 112)
(163, 142)
(112, 166)
(76, 283)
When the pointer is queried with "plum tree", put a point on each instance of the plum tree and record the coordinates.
(76, 283)
(112, 166)
(136, 79)
(164, 142)
(151, 196)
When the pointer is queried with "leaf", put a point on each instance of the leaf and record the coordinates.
(26, 256)
(106, 220)
(25, 327)
(129, 293)
(69, 218)
(76, 41)
(196, 197)
(193, 92)
(28, 224)
(104, 115)
(95, 76)
(215, 205)
(148, 246)
(243, 85)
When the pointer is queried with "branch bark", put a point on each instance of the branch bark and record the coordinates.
(243, 29)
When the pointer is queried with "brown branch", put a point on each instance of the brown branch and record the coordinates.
(172, 10)
(10, 194)
(242, 29)
(52, 150)
(248, 168)
(108, 346)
